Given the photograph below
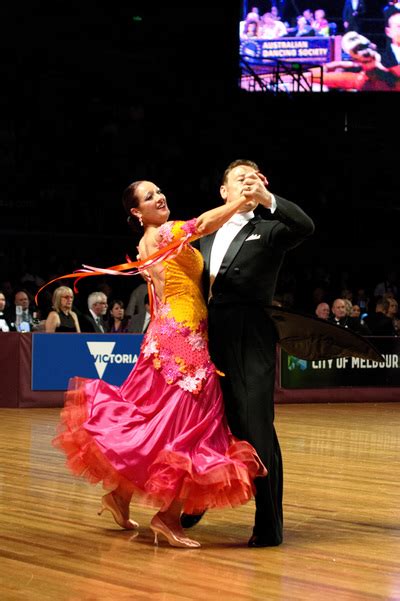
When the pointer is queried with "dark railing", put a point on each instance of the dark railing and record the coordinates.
(282, 76)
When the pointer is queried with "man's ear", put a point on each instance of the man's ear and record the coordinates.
(223, 192)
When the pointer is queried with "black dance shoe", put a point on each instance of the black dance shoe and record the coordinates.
(189, 520)
(261, 540)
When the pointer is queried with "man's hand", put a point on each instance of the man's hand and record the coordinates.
(254, 189)
(362, 50)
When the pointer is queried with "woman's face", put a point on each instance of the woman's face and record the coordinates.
(67, 299)
(2, 302)
(117, 311)
(152, 206)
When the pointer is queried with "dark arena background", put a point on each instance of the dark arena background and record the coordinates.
(96, 95)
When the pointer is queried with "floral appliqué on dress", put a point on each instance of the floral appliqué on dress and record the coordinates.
(179, 350)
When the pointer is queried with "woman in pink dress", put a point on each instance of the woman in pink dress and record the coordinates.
(162, 435)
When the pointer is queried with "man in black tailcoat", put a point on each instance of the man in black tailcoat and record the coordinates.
(242, 262)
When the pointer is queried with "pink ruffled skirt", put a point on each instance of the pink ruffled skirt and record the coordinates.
(157, 440)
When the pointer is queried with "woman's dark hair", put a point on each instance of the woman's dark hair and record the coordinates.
(130, 201)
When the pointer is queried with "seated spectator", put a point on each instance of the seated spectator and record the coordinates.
(139, 323)
(270, 28)
(275, 13)
(361, 299)
(320, 23)
(136, 300)
(389, 284)
(303, 29)
(356, 313)
(309, 16)
(94, 320)
(117, 320)
(251, 30)
(22, 307)
(5, 324)
(349, 305)
(379, 323)
(393, 312)
(62, 318)
(251, 17)
(340, 317)
(322, 310)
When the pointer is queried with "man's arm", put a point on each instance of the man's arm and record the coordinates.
(293, 224)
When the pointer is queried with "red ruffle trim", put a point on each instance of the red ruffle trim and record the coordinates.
(171, 476)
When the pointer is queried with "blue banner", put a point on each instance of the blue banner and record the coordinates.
(299, 50)
(58, 357)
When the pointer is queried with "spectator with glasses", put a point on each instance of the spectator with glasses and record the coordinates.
(94, 322)
(62, 318)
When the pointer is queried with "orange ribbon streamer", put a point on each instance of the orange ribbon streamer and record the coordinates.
(136, 267)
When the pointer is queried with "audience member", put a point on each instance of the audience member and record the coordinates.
(251, 17)
(379, 323)
(5, 324)
(303, 29)
(340, 317)
(308, 15)
(20, 314)
(62, 318)
(322, 310)
(118, 321)
(270, 28)
(140, 322)
(275, 13)
(357, 314)
(391, 54)
(94, 320)
(251, 30)
(349, 305)
(361, 299)
(389, 284)
(135, 304)
(353, 10)
(320, 23)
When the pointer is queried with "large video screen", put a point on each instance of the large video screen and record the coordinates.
(300, 46)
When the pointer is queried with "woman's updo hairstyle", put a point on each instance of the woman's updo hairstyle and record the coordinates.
(130, 201)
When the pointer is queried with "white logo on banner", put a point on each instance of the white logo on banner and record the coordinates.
(102, 352)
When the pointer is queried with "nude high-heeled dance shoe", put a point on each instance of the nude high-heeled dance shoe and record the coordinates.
(158, 527)
(108, 502)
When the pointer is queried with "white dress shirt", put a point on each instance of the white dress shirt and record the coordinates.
(225, 236)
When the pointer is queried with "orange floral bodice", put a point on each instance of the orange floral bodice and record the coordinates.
(177, 336)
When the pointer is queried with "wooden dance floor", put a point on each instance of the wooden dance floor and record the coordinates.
(341, 507)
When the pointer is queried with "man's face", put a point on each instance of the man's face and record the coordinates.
(339, 308)
(100, 308)
(22, 300)
(232, 189)
(322, 311)
(393, 29)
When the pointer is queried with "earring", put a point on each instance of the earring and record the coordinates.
(140, 220)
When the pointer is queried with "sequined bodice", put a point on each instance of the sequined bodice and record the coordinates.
(177, 336)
